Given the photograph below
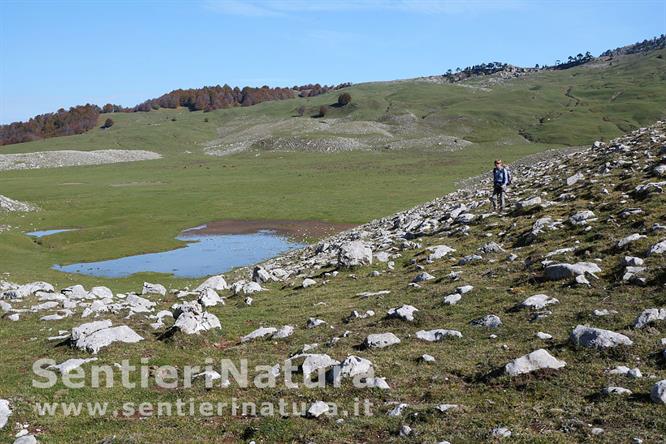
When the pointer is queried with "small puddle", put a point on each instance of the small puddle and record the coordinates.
(45, 233)
(204, 255)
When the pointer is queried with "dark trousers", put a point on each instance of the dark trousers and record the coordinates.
(499, 193)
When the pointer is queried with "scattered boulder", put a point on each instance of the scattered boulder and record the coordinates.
(572, 180)
(95, 335)
(354, 254)
(490, 321)
(209, 298)
(537, 360)
(284, 332)
(149, 288)
(658, 392)
(216, 283)
(539, 301)
(262, 332)
(491, 247)
(609, 391)
(405, 312)
(649, 316)
(556, 272)
(625, 242)
(317, 409)
(5, 413)
(452, 299)
(528, 204)
(500, 432)
(352, 367)
(380, 340)
(437, 335)
(309, 363)
(246, 288)
(658, 248)
(71, 364)
(582, 217)
(439, 251)
(314, 322)
(591, 337)
(191, 319)
(626, 371)
(397, 410)
(423, 277)
(307, 282)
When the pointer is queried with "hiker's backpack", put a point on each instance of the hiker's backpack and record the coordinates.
(508, 176)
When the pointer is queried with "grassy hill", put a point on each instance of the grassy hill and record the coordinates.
(410, 141)
(468, 372)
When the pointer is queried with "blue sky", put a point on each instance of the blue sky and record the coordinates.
(62, 53)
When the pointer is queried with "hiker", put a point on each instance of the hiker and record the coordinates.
(501, 180)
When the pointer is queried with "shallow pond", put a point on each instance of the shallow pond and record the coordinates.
(204, 255)
(45, 233)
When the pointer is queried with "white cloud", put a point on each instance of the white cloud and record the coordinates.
(267, 8)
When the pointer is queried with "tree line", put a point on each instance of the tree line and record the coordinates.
(572, 61)
(80, 119)
(76, 120)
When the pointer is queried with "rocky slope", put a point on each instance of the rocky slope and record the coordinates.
(546, 323)
(64, 158)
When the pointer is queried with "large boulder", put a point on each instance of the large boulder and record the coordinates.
(149, 288)
(437, 335)
(405, 312)
(490, 321)
(556, 272)
(381, 340)
(191, 319)
(209, 298)
(95, 335)
(5, 412)
(539, 301)
(537, 360)
(591, 337)
(354, 254)
(626, 241)
(216, 283)
(658, 248)
(649, 316)
(246, 288)
(261, 332)
(352, 367)
(439, 251)
(658, 392)
(582, 217)
(309, 363)
(528, 204)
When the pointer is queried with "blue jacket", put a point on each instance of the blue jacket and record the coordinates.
(501, 176)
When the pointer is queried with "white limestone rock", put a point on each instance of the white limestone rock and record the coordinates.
(539, 301)
(650, 316)
(405, 312)
(216, 283)
(5, 413)
(591, 337)
(537, 360)
(381, 340)
(149, 288)
(354, 254)
(658, 392)
(437, 335)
